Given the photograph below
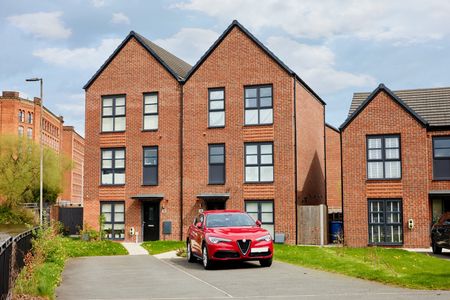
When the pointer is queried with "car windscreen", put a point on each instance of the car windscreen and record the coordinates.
(229, 220)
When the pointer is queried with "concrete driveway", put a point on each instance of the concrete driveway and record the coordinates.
(146, 277)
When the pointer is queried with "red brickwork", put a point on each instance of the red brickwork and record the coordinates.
(134, 72)
(334, 182)
(384, 116)
(236, 62)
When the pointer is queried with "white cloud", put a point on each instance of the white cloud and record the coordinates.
(316, 65)
(398, 21)
(42, 24)
(120, 18)
(189, 43)
(79, 58)
(98, 3)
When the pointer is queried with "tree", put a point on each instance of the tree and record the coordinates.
(19, 171)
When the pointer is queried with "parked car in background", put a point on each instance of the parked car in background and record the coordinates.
(228, 235)
(440, 234)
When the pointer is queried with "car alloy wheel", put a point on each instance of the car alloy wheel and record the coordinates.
(436, 249)
(189, 255)
(205, 260)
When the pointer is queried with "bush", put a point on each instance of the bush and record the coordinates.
(16, 216)
(43, 265)
(89, 234)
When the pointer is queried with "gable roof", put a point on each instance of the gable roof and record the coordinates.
(177, 67)
(234, 24)
(332, 127)
(361, 100)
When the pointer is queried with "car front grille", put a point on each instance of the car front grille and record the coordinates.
(226, 254)
(260, 254)
(244, 245)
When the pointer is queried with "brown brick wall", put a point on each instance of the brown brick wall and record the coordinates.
(134, 72)
(310, 148)
(235, 63)
(73, 148)
(384, 116)
(333, 160)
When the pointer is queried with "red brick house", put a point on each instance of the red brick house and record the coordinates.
(396, 166)
(239, 130)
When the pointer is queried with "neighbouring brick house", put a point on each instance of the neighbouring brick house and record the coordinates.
(333, 174)
(19, 116)
(396, 166)
(239, 130)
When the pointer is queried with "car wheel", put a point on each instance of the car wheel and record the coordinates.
(265, 263)
(190, 257)
(436, 248)
(207, 264)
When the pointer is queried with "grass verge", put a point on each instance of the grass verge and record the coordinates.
(389, 266)
(42, 272)
(157, 247)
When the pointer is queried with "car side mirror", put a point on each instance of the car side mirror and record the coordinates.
(198, 225)
(258, 223)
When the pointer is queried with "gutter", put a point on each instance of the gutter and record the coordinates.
(295, 160)
(181, 161)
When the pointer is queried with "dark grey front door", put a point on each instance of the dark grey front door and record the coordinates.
(151, 221)
(215, 205)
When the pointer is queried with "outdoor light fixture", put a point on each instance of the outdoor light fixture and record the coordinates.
(41, 148)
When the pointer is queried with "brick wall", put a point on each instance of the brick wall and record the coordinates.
(134, 72)
(333, 159)
(237, 62)
(384, 116)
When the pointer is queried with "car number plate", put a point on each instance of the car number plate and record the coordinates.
(260, 250)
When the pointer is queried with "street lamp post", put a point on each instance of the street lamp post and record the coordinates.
(41, 148)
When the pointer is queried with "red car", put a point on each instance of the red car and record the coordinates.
(228, 235)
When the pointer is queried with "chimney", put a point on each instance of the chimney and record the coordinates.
(10, 94)
(37, 100)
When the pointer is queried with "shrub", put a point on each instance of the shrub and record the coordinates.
(16, 216)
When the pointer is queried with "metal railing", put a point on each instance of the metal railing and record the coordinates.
(12, 254)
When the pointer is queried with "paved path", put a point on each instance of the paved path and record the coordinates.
(146, 277)
(135, 249)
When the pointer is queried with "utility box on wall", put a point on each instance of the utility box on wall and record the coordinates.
(167, 227)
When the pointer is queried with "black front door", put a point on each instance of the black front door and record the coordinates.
(151, 221)
(215, 205)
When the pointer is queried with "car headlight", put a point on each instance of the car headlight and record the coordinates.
(266, 238)
(216, 240)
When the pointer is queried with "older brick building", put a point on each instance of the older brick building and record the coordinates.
(239, 130)
(73, 147)
(22, 117)
(396, 166)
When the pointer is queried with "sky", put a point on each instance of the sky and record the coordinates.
(337, 46)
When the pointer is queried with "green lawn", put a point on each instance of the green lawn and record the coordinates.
(77, 248)
(390, 266)
(157, 247)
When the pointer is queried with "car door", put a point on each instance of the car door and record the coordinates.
(442, 232)
(197, 235)
(446, 232)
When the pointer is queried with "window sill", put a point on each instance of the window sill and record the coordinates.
(112, 185)
(112, 132)
(209, 183)
(441, 179)
(216, 127)
(257, 125)
(384, 179)
(150, 130)
(385, 244)
(258, 182)
(149, 185)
